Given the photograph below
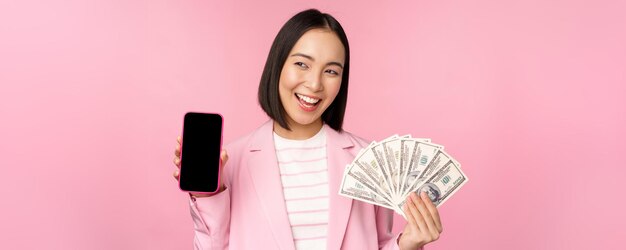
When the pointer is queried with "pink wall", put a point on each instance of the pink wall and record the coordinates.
(530, 96)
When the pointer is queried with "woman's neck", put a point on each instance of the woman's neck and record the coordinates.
(298, 131)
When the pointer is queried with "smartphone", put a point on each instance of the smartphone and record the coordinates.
(200, 152)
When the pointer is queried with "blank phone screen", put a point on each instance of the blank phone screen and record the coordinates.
(201, 146)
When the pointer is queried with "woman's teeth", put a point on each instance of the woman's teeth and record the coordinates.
(307, 99)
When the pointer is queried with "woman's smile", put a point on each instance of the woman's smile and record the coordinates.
(307, 103)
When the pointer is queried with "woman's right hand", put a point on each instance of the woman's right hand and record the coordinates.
(223, 159)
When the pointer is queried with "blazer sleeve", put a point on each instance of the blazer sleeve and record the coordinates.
(384, 224)
(211, 220)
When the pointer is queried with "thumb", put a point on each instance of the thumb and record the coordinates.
(224, 157)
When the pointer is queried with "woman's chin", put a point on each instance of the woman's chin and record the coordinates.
(305, 121)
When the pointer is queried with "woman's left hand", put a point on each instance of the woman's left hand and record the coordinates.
(424, 225)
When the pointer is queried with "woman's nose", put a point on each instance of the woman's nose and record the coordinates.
(314, 82)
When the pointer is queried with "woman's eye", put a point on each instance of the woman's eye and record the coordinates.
(332, 72)
(301, 65)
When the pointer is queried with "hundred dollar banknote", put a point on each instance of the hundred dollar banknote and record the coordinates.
(354, 186)
(370, 166)
(440, 186)
(420, 155)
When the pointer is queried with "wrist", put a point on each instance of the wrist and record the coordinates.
(408, 244)
(202, 195)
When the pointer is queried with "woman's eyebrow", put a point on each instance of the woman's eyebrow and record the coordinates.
(305, 56)
(313, 59)
(335, 63)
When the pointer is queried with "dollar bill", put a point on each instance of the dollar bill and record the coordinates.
(356, 171)
(387, 154)
(356, 187)
(378, 153)
(367, 165)
(391, 151)
(419, 156)
(440, 186)
(406, 151)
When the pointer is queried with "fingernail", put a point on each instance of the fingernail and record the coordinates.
(424, 194)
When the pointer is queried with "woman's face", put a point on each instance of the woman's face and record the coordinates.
(311, 76)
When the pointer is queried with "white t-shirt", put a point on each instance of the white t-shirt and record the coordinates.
(304, 175)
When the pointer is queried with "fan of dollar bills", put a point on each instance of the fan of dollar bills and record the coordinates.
(386, 172)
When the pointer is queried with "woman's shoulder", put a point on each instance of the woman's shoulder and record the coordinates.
(238, 143)
(241, 141)
(256, 136)
(357, 140)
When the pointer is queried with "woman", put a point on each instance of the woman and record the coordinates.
(281, 183)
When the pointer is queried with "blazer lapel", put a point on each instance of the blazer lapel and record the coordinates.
(339, 212)
(265, 175)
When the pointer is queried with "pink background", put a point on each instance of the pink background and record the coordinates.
(530, 96)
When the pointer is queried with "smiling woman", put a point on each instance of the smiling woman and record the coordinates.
(285, 175)
(311, 48)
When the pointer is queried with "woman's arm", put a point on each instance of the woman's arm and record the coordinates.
(210, 212)
(211, 220)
